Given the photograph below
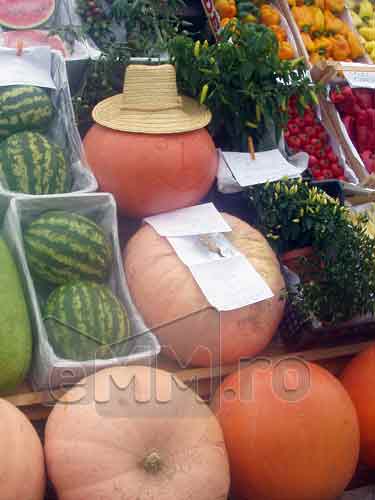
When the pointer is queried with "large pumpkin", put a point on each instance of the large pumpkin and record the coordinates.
(21, 460)
(166, 293)
(359, 380)
(138, 434)
(152, 173)
(291, 432)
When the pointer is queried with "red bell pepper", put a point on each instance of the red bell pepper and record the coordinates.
(349, 123)
(371, 134)
(362, 130)
(364, 98)
(368, 158)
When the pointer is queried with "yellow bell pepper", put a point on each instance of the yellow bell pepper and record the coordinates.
(304, 18)
(356, 48)
(285, 51)
(335, 6)
(317, 27)
(309, 44)
(292, 3)
(323, 46)
(269, 15)
(334, 25)
(357, 21)
(340, 48)
(320, 4)
(279, 32)
(367, 33)
(366, 10)
(315, 58)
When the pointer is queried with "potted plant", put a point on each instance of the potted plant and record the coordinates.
(243, 82)
(337, 271)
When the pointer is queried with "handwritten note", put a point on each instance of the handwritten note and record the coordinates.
(360, 79)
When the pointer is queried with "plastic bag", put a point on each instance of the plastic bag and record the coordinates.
(63, 130)
(49, 371)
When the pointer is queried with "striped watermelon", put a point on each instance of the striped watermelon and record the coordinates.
(83, 319)
(62, 246)
(24, 108)
(30, 163)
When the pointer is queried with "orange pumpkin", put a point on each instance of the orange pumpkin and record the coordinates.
(290, 429)
(21, 461)
(152, 173)
(359, 380)
(174, 307)
(138, 434)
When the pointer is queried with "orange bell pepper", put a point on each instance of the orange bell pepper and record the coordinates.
(226, 8)
(334, 25)
(335, 6)
(309, 44)
(269, 15)
(323, 46)
(285, 51)
(279, 32)
(304, 17)
(320, 4)
(340, 48)
(356, 49)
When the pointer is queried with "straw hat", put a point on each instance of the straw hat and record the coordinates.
(150, 104)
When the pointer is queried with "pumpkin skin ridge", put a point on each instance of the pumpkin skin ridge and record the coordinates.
(251, 334)
(203, 434)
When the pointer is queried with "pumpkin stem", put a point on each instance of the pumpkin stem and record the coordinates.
(152, 463)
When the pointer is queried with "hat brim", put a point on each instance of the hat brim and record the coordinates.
(191, 116)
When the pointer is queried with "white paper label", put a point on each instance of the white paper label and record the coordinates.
(360, 79)
(32, 67)
(267, 166)
(200, 219)
(230, 283)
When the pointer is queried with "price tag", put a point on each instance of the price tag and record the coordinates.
(31, 67)
(200, 219)
(360, 79)
(267, 166)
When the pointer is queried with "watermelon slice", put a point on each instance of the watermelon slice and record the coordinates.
(25, 14)
(33, 38)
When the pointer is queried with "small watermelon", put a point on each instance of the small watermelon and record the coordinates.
(30, 163)
(24, 108)
(85, 321)
(25, 14)
(62, 247)
(33, 38)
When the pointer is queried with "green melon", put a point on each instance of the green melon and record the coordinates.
(24, 108)
(15, 329)
(30, 163)
(62, 247)
(85, 321)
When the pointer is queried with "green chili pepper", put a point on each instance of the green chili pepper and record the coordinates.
(258, 112)
(251, 125)
(314, 97)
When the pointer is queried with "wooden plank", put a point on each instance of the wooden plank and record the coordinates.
(37, 404)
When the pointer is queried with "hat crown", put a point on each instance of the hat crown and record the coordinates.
(150, 88)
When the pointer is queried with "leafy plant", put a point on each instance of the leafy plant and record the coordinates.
(101, 80)
(242, 81)
(147, 25)
(293, 215)
(341, 274)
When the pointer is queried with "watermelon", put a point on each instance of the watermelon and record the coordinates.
(30, 163)
(24, 108)
(33, 38)
(25, 14)
(15, 328)
(62, 246)
(85, 321)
